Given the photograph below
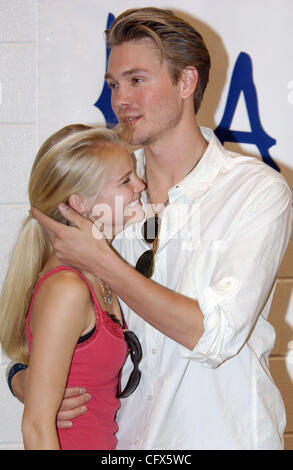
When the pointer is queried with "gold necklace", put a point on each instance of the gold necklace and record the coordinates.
(108, 298)
(156, 213)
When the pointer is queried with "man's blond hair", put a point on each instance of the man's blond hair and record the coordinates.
(179, 44)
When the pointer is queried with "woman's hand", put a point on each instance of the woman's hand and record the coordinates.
(73, 405)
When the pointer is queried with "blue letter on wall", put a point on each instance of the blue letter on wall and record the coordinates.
(242, 80)
(104, 102)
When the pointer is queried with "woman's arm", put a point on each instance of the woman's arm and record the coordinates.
(60, 315)
(73, 404)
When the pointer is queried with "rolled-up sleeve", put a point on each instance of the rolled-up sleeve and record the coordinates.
(243, 276)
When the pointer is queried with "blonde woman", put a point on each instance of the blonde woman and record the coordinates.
(67, 323)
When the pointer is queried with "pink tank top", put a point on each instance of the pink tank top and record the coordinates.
(95, 366)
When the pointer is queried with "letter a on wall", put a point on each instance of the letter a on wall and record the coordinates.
(104, 101)
(242, 80)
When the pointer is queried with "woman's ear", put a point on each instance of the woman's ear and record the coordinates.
(79, 203)
(189, 79)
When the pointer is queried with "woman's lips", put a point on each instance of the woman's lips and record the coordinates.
(134, 203)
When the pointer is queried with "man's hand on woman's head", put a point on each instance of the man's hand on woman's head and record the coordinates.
(79, 244)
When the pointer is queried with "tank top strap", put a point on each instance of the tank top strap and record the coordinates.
(52, 271)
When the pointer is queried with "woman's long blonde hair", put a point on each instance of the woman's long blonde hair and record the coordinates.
(77, 159)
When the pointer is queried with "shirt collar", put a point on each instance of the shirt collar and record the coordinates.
(202, 177)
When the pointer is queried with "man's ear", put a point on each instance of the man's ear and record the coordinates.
(79, 203)
(189, 79)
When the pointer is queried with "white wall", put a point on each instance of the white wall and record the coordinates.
(52, 62)
(18, 137)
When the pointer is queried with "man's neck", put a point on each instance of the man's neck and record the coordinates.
(169, 161)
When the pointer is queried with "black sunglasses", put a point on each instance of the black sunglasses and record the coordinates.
(150, 231)
(135, 351)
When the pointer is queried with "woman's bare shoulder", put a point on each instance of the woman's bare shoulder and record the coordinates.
(66, 282)
(63, 294)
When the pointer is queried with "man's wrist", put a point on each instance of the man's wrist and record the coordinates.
(11, 370)
(104, 263)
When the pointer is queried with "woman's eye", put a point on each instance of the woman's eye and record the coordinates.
(126, 181)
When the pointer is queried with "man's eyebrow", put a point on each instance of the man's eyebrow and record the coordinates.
(108, 76)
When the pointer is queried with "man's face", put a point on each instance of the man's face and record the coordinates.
(142, 91)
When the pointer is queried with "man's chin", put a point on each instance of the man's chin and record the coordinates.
(130, 134)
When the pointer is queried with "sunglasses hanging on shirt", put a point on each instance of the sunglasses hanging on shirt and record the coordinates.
(150, 232)
(135, 351)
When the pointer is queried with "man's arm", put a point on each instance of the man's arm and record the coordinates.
(175, 315)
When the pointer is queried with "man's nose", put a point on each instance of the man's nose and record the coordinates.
(121, 97)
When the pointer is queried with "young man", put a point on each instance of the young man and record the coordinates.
(225, 222)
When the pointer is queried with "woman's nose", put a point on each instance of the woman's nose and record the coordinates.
(139, 185)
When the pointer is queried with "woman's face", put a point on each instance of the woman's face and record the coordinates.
(118, 204)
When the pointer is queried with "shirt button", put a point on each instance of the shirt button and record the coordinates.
(154, 351)
(150, 397)
(136, 442)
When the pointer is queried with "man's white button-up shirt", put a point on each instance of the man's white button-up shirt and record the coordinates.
(221, 242)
